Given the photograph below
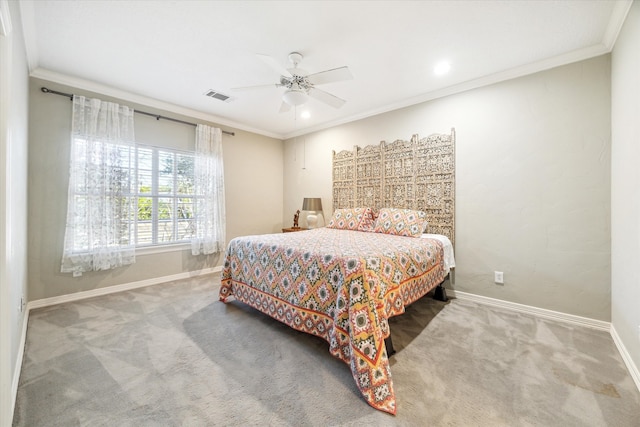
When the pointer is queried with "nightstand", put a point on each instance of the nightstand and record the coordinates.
(291, 230)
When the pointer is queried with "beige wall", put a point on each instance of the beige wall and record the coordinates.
(625, 186)
(533, 182)
(253, 185)
(13, 202)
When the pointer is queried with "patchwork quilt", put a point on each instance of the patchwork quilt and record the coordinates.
(341, 285)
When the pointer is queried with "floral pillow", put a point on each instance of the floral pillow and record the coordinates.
(401, 222)
(359, 219)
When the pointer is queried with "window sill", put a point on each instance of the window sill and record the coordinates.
(150, 250)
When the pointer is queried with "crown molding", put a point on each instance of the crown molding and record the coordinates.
(521, 71)
(618, 16)
(616, 22)
(76, 82)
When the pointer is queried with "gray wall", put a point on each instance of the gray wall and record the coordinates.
(253, 185)
(533, 182)
(625, 185)
(13, 204)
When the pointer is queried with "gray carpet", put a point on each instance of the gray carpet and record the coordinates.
(172, 355)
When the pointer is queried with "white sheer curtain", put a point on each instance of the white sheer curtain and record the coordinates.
(209, 211)
(102, 204)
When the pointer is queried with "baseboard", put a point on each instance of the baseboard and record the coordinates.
(561, 317)
(45, 302)
(19, 357)
(535, 311)
(633, 369)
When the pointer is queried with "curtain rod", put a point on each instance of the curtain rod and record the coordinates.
(157, 116)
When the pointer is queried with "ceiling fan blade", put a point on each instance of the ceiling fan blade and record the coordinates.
(329, 76)
(244, 88)
(284, 107)
(274, 65)
(326, 97)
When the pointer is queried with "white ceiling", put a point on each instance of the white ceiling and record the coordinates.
(174, 51)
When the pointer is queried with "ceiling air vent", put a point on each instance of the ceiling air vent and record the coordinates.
(217, 95)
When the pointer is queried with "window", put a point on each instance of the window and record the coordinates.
(166, 196)
(123, 195)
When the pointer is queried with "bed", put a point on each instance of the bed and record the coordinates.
(344, 281)
(340, 285)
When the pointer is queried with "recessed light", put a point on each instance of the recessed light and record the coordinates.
(441, 68)
(305, 114)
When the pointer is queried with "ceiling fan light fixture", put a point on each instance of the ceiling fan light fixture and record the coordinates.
(294, 97)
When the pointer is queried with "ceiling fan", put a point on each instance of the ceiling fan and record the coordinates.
(300, 85)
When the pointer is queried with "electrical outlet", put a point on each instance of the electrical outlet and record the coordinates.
(498, 277)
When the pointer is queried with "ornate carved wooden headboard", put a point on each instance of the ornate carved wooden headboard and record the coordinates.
(417, 174)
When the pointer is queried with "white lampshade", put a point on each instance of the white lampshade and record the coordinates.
(294, 97)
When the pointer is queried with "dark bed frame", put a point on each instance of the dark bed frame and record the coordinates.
(440, 294)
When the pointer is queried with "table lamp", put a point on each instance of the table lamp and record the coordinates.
(313, 205)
